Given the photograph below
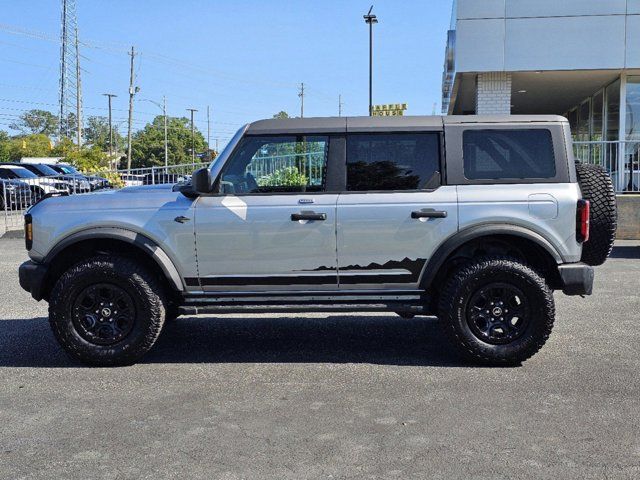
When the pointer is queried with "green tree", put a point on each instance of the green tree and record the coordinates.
(281, 114)
(70, 125)
(96, 133)
(88, 159)
(36, 121)
(63, 147)
(148, 144)
(37, 145)
(5, 146)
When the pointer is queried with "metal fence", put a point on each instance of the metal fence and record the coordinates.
(620, 159)
(310, 165)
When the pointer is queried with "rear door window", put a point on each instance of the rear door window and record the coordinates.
(508, 154)
(395, 161)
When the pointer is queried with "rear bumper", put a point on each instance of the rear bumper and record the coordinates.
(577, 278)
(31, 277)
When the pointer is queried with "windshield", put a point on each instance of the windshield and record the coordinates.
(23, 173)
(68, 169)
(46, 170)
(228, 148)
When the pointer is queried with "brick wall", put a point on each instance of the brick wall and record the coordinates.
(493, 93)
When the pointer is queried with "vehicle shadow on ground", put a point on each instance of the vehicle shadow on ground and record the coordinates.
(384, 340)
(625, 252)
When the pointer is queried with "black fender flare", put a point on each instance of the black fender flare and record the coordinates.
(455, 241)
(144, 243)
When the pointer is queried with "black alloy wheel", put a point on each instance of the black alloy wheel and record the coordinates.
(498, 313)
(103, 314)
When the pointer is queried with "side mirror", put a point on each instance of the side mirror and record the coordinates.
(202, 181)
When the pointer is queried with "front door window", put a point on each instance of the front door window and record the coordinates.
(291, 164)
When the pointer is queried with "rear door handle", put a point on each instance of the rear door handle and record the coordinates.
(308, 216)
(429, 214)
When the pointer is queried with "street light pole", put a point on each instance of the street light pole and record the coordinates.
(109, 97)
(370, 20)
(193, 136)
(166, 142)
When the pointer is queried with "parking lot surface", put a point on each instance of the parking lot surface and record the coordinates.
(326, 396)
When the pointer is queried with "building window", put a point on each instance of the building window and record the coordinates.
(597, 116)
(633, 109)
(613, 111)
(584, 121)
(508, 154)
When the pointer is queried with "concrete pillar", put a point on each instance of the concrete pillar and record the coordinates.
(493, 93)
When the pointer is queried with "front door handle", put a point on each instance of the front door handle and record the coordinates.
(308, 216)
(429, 214)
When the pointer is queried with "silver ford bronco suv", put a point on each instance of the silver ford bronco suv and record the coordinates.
(475, 220)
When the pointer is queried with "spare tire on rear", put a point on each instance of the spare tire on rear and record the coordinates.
(597, 187)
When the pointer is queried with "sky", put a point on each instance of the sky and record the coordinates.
(245, 59)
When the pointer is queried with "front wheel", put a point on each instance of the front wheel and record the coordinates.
(497, 311)
(107, 311)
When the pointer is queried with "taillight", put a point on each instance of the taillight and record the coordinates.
(28, 231)
(582, 221)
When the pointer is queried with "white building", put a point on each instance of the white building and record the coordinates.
(578, 58)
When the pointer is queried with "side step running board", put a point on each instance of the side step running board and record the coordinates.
(303, 308)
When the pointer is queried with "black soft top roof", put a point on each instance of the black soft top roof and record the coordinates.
(372, 124)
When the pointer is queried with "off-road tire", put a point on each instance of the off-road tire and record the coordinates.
(597, 187)
(469, 279)
(144, 291)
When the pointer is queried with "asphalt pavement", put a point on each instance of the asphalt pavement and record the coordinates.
(326, 397)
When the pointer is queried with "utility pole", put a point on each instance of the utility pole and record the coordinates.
(339, 105)
(70, 94)
(208, 131)
(132, 91)
(301, 95)
(193, 136)
(109, 97)
(78, 94)
(370, 20)
(166, 142)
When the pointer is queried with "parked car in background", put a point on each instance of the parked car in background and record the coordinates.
(39, 186)
(132, 180)
(95, 182)
(160, 177)
(15, 194)
(79, 183)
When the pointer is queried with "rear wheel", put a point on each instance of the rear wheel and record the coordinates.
(596, 186)
(497, 311)
(107, 311)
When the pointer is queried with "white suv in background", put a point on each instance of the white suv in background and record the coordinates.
(39, 185)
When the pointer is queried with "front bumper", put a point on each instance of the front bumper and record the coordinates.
(32, 277)
(577, 278)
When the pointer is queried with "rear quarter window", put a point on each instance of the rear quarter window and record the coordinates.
(508, 154)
